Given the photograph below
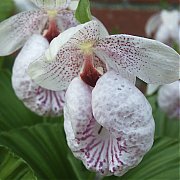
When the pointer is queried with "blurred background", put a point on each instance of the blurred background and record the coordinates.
(129, 16)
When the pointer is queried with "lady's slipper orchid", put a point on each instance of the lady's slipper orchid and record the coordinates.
(110, 127)
(39, 100)
(165, 26)
(131, 56)
(169, 99)
(53, 15)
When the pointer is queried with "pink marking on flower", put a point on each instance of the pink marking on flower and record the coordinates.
(89, 74)
(52, 31)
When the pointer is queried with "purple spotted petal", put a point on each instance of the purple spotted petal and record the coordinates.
(116, 138)
(64, 58)
(17, 29)
(37, 99)
(150, 60)
(66, 20)
(56, 75)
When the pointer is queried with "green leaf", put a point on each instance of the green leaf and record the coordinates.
(164, 126)
(13, 167)
(83, 13)
(44, 148)
(161, 162)
(80, 170)
(13, 114)
(6, 9)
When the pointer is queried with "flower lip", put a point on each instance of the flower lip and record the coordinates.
(101, 131)
(37, 99)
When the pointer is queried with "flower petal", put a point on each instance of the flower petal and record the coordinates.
(77, 108)
(123, 110)
(37, 99)
(151, 88)
(56, 75)
(24, 5)
(169, 99)
(52, 4)
(66, 20)
(63, 60)
(152, 24)
(73, 5)
(117, 101)
(163, 34)
(17, 29)
(170, 18)
(150, 60)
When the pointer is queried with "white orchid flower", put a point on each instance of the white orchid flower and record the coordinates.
(165, 25)
(89, 43)
(110, 127)
(37, 99)
(169, 99)
(52, 14)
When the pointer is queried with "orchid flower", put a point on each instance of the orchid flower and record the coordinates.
(53, 15)
(89, 45)
(109, 127)
(37, 99)
(169, 99)
(165, 25)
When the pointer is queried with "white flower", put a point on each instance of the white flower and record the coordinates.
(169, 99)
(110, 127)
(165, 25)
(37, 99)
(131, 56)
(52, 14)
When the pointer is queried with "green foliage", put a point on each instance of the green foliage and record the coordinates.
(83, 13)
(13, 167)
(44, 148)
(13, 113)
(6, 9)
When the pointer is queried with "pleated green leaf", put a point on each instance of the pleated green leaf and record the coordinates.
(13, 167)
(44, 148)
(13, 114)
(81, 172)
(161, 163)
